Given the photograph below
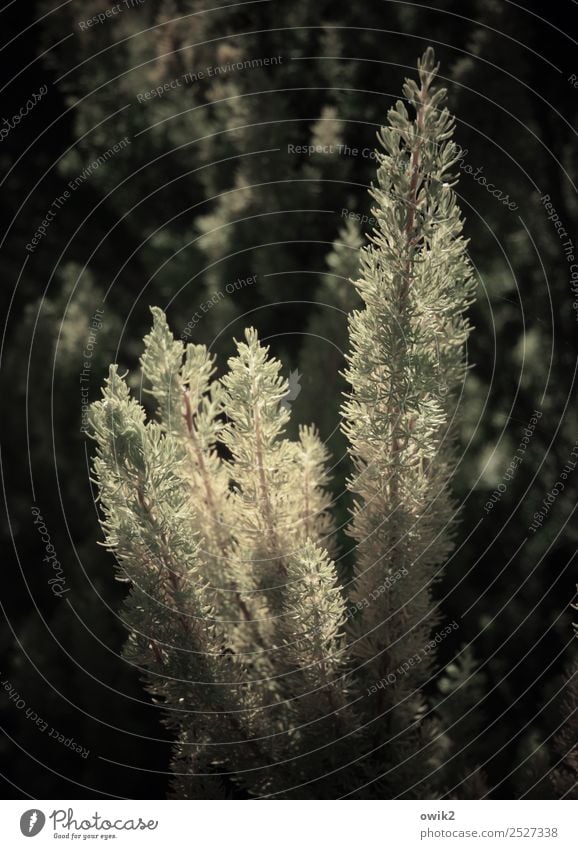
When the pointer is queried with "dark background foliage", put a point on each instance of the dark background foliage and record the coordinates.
(207, 192)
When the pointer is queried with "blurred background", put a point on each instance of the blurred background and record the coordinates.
(166, 160)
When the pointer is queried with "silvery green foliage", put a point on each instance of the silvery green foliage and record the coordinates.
(222, 523)
(405, 363)
(230, 581)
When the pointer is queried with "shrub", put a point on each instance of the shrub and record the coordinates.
(275, 682)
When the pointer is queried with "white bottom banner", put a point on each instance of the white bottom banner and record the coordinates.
(399, 824)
